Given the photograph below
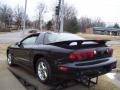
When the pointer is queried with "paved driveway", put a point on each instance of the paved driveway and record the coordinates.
(10, 37)
(104, 83)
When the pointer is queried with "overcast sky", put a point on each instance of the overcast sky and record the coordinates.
(107, 10)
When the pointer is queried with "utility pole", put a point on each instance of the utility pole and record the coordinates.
(57, 16)
(61, 16)
(40, 21)
(24, 17)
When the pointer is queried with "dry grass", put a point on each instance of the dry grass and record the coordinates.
(3, 48)
(96, 36)
(116, 54)
(3, 32)
(3, 64)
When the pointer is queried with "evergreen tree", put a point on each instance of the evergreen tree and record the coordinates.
(71, 25)
(116, 25)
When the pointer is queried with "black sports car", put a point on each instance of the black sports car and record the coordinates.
(61, 55)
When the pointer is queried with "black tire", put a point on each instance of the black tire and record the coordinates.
(47, 68)
(10, 59)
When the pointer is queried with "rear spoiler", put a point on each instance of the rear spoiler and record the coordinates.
(79, 42)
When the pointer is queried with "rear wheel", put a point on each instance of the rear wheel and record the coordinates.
(10, 59)
(43, 70)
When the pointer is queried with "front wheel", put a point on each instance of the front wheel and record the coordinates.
(10, 59)
(43, 70)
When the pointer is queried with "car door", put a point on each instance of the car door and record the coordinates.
(23, 53)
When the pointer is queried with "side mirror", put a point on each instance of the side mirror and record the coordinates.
(18, 44)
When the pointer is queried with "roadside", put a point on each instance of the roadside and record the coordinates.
(103, 84)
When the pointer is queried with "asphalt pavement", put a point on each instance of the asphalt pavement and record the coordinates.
(12, 37)
(7, 80)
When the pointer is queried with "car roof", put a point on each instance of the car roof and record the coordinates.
(50, 32)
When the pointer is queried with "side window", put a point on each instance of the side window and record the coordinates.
(46, 38)
(49, 38)
(30, 40)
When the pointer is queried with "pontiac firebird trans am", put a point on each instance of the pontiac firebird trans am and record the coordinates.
(53, 55)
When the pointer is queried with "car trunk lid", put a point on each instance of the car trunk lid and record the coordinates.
(86, 49)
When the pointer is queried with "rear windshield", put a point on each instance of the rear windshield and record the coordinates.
(57, 37)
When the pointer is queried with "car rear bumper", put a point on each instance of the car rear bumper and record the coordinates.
(89, 68)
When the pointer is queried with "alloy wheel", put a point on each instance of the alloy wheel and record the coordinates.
(42, 71)
(9, 59)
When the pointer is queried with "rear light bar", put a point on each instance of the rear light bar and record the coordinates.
(87, 54)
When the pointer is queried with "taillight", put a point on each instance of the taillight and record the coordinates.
(110, 51)
(81, 55)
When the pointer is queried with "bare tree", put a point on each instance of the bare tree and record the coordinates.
(98, 23)
(18, 15)
(69, 12)
(40, 11)
(70, 19)
(28, 22)
(6, 15)
(49, 25)
(84, 23)
(116, 25)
